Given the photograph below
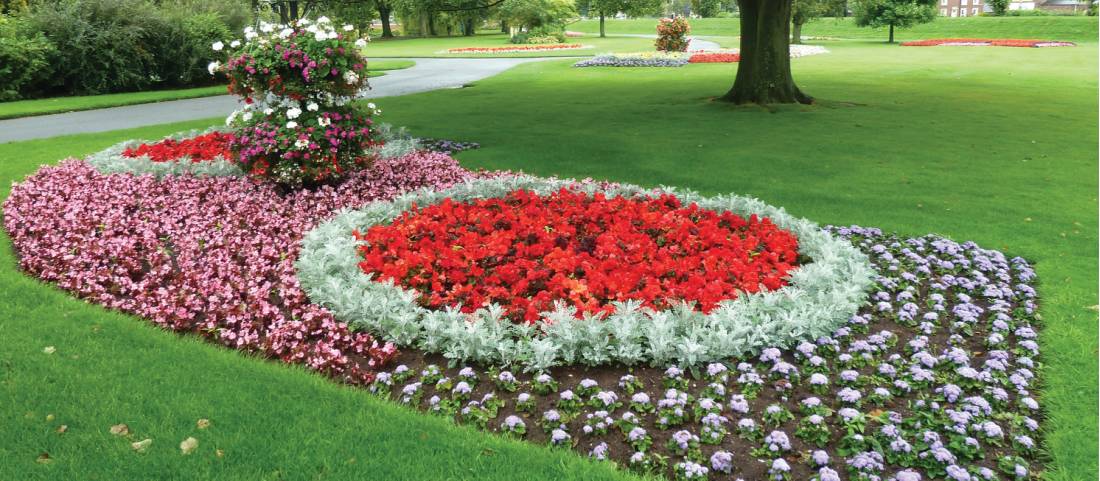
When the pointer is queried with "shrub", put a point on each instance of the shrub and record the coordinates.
(101, 45)
(24, 59)
(672, 34)
(298, 127)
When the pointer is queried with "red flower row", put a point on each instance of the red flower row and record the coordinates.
(513, 48)
(715, 58)
(526, 252)
(1001, 42)
(201, 148)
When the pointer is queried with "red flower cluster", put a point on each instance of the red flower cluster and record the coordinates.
(201, 148)
(525, 251)
(992, 42)
(715, 58)
(516, 48)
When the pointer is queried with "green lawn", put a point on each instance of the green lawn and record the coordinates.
(54, 105)
(1075, 29)
(25, 108)
(995, 145)
(434, 46)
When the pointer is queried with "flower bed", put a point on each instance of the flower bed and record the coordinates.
(214, 256)
(715, 58)
(986, 42)
(519, 48)
(820, 296)
(931, 380)
(528, 252)
(679, 59)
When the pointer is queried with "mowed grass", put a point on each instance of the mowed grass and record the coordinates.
(54, 105)
(1074, 29)
(434, 47)
(992, 145)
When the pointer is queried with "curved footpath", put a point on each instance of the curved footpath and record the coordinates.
(427, 74)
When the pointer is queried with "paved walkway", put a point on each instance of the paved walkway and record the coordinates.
(694, 44)
(427, 74)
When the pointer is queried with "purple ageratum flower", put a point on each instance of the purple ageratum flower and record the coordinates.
(819, 457)
(673, 372)
(848, 414)
(552, 416)
(559, 437)
(506, 377)
(826, 474)
(544, 379)
(599, 452)
(867, 462)
(467, 372)
(746, 424)
(692, 470)
(722, 462)
(777, 441)
(513, 423)
(818, 379)
(716, 368)
(849, 395)
(907, 475)
(567, 395)
(958, 473)
(770, 354)
(636, 434)
(849, 375)
(779, 468)
(588, 383)
(607, 398)
(739, 404)
(811, 402)
(462, 388)
(640, 398)
(523, 397)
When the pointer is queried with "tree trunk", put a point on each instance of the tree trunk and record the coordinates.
(431, 24)
(294, 10)
(891, 33)
(503, 26)
(796, 33)
(764, 72)
(469, 27)
(384, 14)
(602, 32)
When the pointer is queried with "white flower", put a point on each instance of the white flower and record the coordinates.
(246, 116)
(323, 20)
(213, 67)
(370, 105)
(284, 33)
(348, 28)
(360, 43)
(250, 35)
(301, 143)
(235, 43)
(266, 27)
(269, 111)
(304, 21)
(292, 125)
(230, 118)
(320, 36)
(218, 46)
(293, 113)
(312, 106)
(351, 77)
(323, 121)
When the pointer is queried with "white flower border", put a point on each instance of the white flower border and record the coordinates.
(111, 160)
(820, 297)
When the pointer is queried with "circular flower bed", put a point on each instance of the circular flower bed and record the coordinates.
(986, 42)
(193, 153)
(715, 58)
(527, 252)
(820, 296)
(931, 380)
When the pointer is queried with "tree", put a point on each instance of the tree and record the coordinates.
(999, 6)
(608, 8)
(706, 8)
(803, 11)
(893, 13)
(532, 14)
(764, 72)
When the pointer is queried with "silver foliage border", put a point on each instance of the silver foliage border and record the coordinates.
(820, 297)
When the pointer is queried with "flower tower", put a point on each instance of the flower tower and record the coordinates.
(298, 126)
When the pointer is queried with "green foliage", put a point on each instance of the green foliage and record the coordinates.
(893, 13)
(103, 46)
(608, 8)
(706, 8)
(541, 35)
(533, 14)
(24, 59)
(999, 6)
(803, 11)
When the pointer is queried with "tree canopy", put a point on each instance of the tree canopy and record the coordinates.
(893, 13)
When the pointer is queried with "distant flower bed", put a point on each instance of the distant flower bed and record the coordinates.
(640, 59)
(715, 58)
(529, 252)
(985, 42)
(519, 48)
(572, 34)
(679, 59)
